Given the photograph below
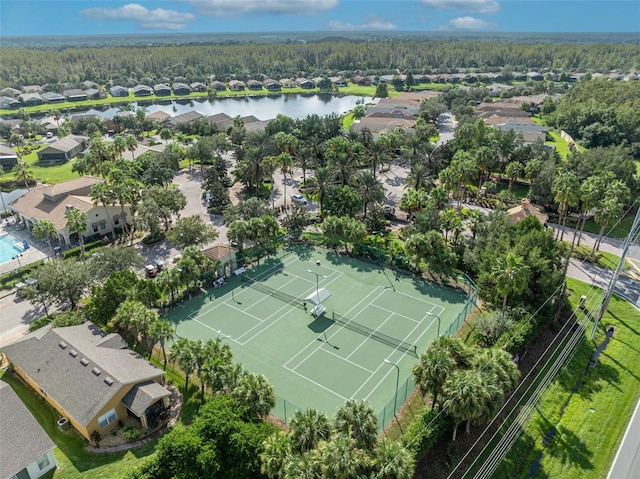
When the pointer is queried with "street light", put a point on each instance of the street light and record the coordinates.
(18, 258)
(395, 397)
(437, 316)
(318, 276)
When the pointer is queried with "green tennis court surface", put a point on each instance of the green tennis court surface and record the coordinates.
(372, 314)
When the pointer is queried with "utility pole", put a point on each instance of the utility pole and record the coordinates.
(614, 279)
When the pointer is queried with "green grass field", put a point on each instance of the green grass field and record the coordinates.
(314, 362)
(589, 412)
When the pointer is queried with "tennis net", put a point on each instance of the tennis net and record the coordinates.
(276, 293)
(377, 335)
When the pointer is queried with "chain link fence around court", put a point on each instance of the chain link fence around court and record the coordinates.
(408, 386)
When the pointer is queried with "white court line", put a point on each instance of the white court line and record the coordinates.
(397, 314)
(314, 342)
(215, 330)
(317, 384)
(345, 359)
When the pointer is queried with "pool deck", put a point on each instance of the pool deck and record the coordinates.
(38, 250)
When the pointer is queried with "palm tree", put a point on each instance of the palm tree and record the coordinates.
(513, 170)
(304, 466)
(378, 154)
(431, 373)
(566, 190)
(413, 201)
(357, 420)
(511, 276)
(307, 429)
(213, 358)
(609, 210)
(168, 279)
(392, 460)
(276, 451)
(468, 396)
(22, 172)
(118, 145)
(319, 184)
(45, 230)
(131, 143)
(370, 189)
(340, 458)
(141, 116)
(255, 392)
(183, 351)
(419, 177)
(103, 193)
(591, 192)
(343, 168)
(77, 223)
(285, 162)
(499, 362)
(166, 134)
(162, 331)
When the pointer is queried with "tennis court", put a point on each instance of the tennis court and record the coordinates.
(372, 314)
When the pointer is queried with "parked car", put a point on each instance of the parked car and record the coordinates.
(299, 199)
(151, 270)
(389, 211)
(159, 264)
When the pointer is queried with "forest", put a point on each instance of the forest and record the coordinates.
(26, 66)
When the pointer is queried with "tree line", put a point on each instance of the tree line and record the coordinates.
(26, 66)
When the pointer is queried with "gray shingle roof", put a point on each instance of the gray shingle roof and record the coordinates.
(141, 396)
(43, 356)
(22, 439)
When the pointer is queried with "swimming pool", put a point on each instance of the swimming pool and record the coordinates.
(9, 247)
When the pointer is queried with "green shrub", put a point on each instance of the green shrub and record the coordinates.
(75, 251)
(131, 434)
(39, 323)
(424, 432)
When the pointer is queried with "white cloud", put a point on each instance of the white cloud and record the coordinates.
(229, 8)
(470, 23)
(143, 17)
(470, 6)
(370, 23)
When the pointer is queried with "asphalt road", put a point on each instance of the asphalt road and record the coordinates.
(626, 464)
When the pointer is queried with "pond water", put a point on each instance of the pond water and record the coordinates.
(262, 107)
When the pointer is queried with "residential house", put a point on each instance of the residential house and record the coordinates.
(15, 125)
(31, 99)
(142, 90)
(53, 97)
(32, 89)
(8, 158)
(535, 76)
(395, 109)
(338, 81)
(63, 150)
(27, 450)
(531, 133)
(158, 116)
(381, 125)
(254, 85)
(51, 202)
(161, 89)
(288, 83)
(95, 93)
(8, 103)
(305, 83)
(199, 87)
(272, 85)
(180, 88)
(74, 94)
(118, 91)
(10, 92)
(221, 120)
(218, 85)
(236, 85)
(360, 80)
(87, 84)
(90, 377)
(525, 209)
(50, 124)
(186, 117)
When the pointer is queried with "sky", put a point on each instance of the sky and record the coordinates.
(87, 17)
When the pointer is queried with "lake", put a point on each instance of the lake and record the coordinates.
(262, 107)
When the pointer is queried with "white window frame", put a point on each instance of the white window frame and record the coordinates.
(107, 418)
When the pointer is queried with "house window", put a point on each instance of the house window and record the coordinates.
(116, 219)
(107, 418)
(94, 227)
(43, 462)
(103, 225)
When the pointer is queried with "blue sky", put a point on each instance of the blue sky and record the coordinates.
(86, 17)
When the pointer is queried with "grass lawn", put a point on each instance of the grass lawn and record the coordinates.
(45, 174)
(618, 231)
(73, 460)
(589, 412)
